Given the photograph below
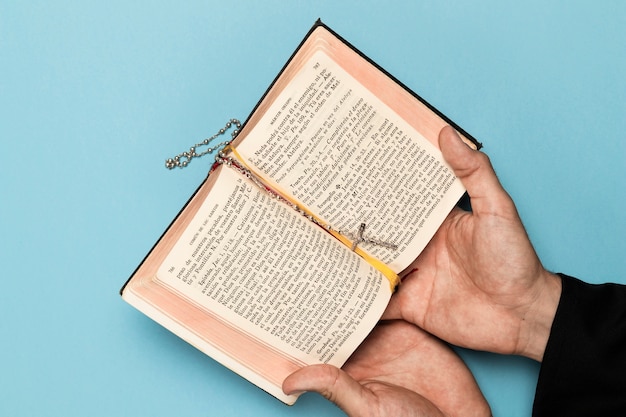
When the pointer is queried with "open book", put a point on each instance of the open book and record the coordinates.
(289, 251)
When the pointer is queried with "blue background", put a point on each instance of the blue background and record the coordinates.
(95, 95)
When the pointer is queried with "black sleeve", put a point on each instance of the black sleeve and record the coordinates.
(583, 372)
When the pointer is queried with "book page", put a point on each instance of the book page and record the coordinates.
(332, 145)
(258, 265)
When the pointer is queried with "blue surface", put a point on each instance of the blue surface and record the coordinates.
(95, 95)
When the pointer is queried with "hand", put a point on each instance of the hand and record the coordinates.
(399, 370)
(479, 283)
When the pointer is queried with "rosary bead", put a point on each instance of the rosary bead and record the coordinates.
(357, 238)
(176, 162)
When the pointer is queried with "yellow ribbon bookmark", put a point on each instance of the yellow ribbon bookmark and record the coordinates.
(392, 277)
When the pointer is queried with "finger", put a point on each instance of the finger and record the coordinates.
(476, 173)
(331, 382)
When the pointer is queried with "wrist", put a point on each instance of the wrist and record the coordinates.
(536, 323)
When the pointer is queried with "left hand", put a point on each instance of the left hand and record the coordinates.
(399, 370)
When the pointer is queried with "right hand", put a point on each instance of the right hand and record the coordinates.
(479, 283)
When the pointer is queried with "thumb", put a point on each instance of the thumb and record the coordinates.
(331, 382)
(475, 171)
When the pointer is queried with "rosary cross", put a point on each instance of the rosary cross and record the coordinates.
(362, 239)
(359, 237)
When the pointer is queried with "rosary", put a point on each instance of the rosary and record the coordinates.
(182, 160)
